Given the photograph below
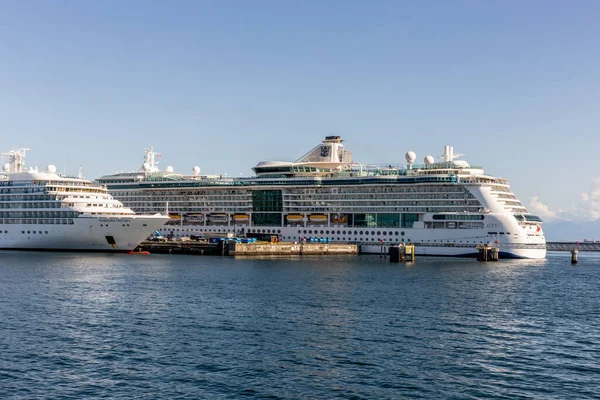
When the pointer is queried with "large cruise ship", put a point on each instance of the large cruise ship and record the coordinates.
(42, 210)
(445, 207)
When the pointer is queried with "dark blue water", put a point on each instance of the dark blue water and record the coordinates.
(119, 326)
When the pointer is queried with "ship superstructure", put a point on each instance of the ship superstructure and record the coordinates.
(445, 207)
(42, 210)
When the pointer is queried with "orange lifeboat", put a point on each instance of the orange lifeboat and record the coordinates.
(241, 217)
(294, 217)
(144, 252)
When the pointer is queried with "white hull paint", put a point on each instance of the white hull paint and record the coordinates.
(85, 234)
(429, 242)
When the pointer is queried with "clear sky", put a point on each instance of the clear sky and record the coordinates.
(225, 84)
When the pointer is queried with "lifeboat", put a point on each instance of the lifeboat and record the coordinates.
(194, 218)
(318, 218)
(138, 252)
(174, 216)
(294, 217)
(218, 217)
(240, 217)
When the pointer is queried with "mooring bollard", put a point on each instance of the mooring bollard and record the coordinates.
(574, 252)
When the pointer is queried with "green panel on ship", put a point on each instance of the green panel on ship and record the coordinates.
(267, 201)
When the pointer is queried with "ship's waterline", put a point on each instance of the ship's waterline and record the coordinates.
(446, 207)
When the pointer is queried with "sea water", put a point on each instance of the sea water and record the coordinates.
(352, 327)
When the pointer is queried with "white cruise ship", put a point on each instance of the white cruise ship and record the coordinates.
(445, 207)
(41, 210)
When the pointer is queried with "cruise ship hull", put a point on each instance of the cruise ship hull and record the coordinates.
(421, 250)
(441, 242)
(89, 234)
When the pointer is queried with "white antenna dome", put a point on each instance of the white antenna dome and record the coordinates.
(6, 167)
(411, 157)
(196, 170)
(169, 169)
(429, 160)
(145, 166)
(51, 169)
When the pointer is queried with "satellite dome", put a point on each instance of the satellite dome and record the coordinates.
(6, 167)
(169, 169)
(145, 166)
(411, 157)
(429, 160)
(51, 169)
(196, 170)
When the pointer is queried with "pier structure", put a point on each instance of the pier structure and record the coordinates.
(568, 246)
(402, 253)
(228, 247)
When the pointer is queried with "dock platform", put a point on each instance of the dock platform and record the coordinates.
(231, 248)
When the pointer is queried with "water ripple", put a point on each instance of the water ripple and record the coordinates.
(106, 326)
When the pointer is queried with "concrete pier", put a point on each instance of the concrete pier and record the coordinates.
(178, 247)
(231, 248)
(294, 249)
(487, 253)
(402, 253)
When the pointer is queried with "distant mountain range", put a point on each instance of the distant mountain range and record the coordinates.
(557, 231)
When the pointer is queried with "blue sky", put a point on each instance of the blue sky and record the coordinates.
(225, 84)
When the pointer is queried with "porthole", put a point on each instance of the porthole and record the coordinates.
(402, 233)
